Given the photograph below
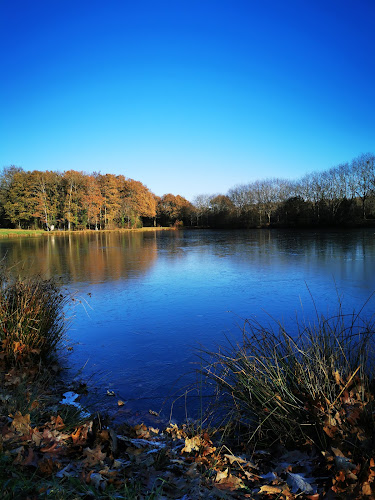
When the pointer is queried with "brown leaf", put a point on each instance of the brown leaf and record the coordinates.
(21, 423)
(142, 431)
(221, 475)
(192, 444)
(51, 449)
(337, 452)
(46, 466)
(230, 483)
(232, 458)
(366, 489)
(271, 490)
(30, 459)
(330, 430)
(57, 422)
(175, 432)
(79, 436)
(93, 456)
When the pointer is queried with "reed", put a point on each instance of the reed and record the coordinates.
(32, 320)
(313, 383)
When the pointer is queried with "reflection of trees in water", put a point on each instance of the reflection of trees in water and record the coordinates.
(92, 257)
(339, 253)
(100, 256)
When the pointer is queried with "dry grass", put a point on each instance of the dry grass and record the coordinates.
(32, 321)
(313, 384)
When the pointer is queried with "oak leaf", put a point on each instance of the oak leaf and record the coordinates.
(21, 423)
(93, 456)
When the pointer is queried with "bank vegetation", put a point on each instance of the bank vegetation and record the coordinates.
(295, 415)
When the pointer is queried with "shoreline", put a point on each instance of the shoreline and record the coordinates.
(21, 233)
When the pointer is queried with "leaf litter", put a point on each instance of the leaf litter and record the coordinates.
(176, 462)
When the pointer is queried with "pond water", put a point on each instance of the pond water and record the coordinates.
(150, 299)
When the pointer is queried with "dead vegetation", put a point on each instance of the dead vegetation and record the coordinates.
(299, 418)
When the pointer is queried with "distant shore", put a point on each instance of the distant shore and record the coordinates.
(10, 233)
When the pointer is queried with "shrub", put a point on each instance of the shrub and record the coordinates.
(32, 321)
(314, 385)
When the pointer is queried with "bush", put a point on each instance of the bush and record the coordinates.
(314, 385)
(32, 321)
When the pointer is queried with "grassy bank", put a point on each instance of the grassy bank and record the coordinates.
(9, 233)
(14, 233)
(298, 407)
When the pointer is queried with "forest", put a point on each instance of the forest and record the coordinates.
(343, 195)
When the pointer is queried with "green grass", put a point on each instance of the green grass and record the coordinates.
(8, 233)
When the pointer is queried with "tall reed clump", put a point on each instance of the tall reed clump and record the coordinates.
(32, 321)
(314, 384)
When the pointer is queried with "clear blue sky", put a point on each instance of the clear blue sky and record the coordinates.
(188, 97)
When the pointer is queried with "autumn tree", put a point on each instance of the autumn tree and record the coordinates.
(109, 188)
(73, 185)
(92, 200)
(222, 210)
(173, 209)
(6, 178)
(136, 202)
(46, 189)
(19, 200)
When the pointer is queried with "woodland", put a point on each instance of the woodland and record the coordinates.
(343, 195)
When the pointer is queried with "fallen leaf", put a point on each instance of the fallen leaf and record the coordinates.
(175, 432)
(192, 444)
(21, 423)
(366, 489)
(98, 481)
(46, 466)
(232, 458)
(93, 456)
(221, 475)
(30, 459)
(344, 463)
(330, 430)
(271, 490)
(337, 452)
(79, 436)
(57, 422)
(230, 483)
(298, 483)
(51, 449)
(36, 436)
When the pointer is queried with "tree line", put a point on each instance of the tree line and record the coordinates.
(342, 195)
(75, 200)
(72, 200)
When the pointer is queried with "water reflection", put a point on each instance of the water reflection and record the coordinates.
(156, 296)
(94, 257)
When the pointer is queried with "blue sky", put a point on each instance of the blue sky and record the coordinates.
(188, 97)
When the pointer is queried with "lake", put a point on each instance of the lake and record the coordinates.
(149, 300)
